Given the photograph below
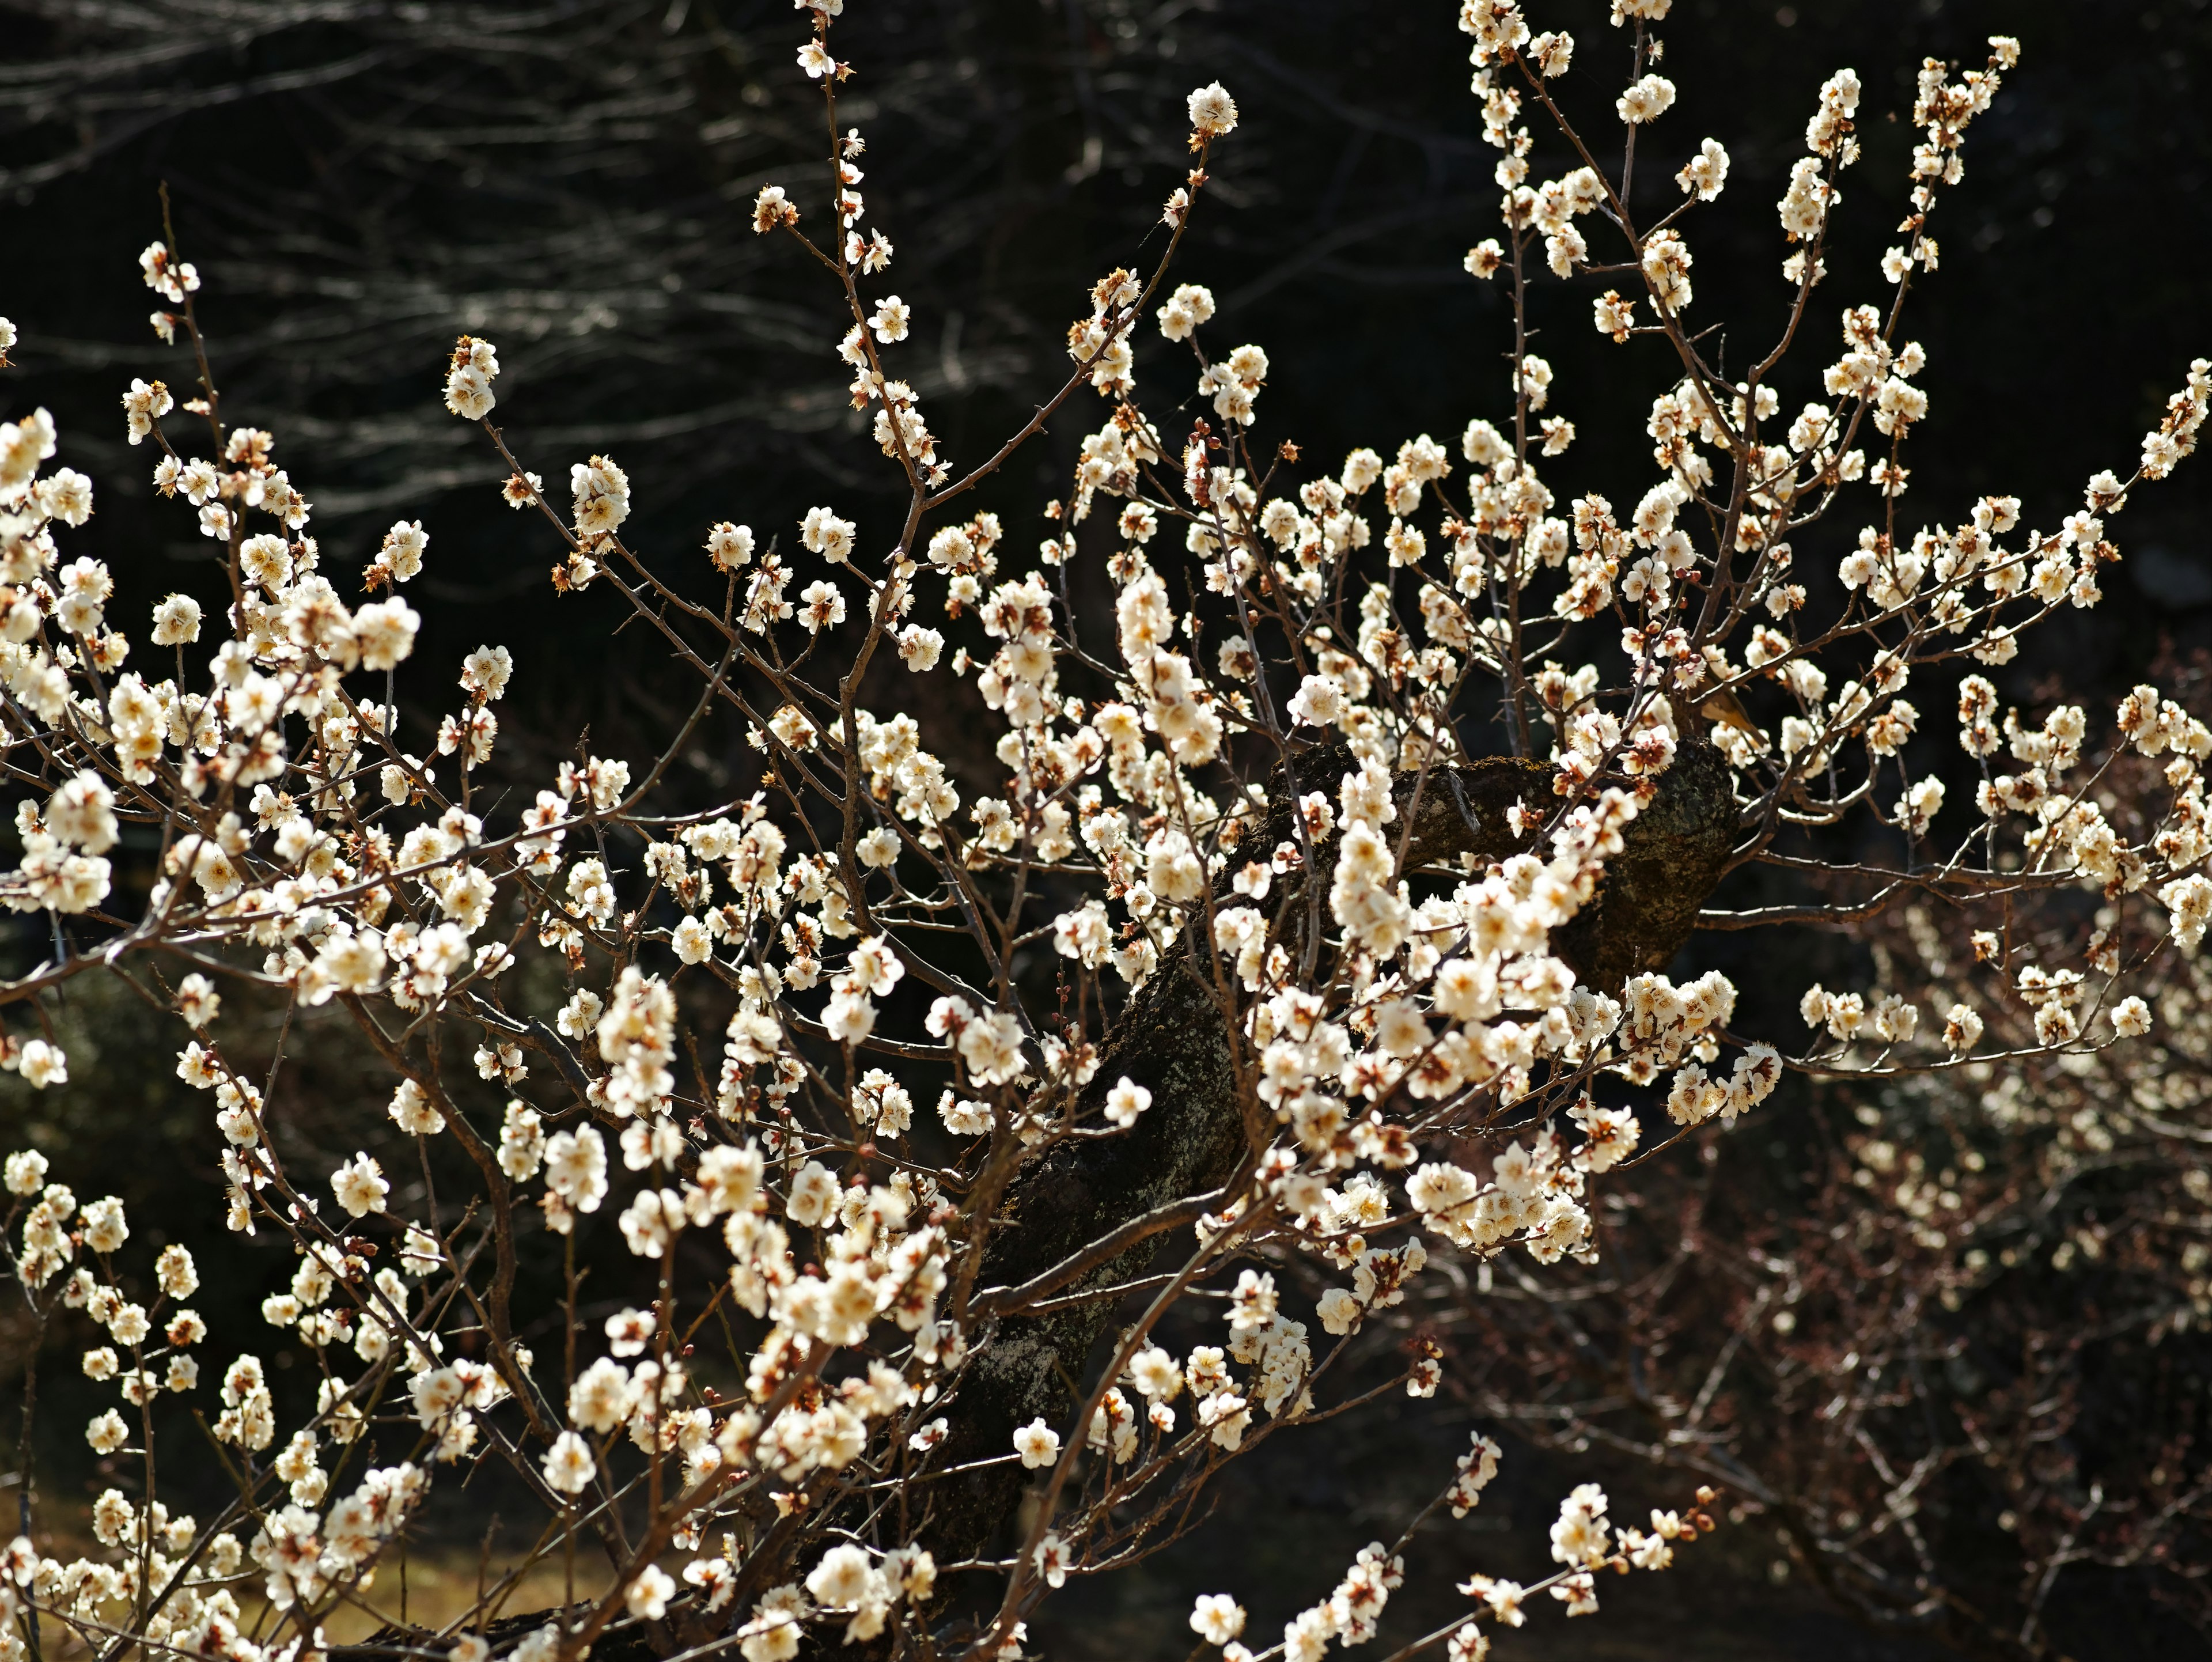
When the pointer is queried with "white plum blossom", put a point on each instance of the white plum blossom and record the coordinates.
(1285, 863)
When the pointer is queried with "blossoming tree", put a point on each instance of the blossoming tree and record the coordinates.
(1319, 917)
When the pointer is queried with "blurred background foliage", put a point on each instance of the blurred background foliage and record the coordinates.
(360, 180)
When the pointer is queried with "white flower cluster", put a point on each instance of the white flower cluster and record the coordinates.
(1234, 785)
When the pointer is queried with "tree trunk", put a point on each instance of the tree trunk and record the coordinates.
(1172, 1038)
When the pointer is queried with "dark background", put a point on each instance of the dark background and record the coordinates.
(360, 182)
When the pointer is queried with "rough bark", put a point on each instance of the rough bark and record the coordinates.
(1671, 858)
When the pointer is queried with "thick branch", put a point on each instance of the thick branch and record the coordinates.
(1173, 1039)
